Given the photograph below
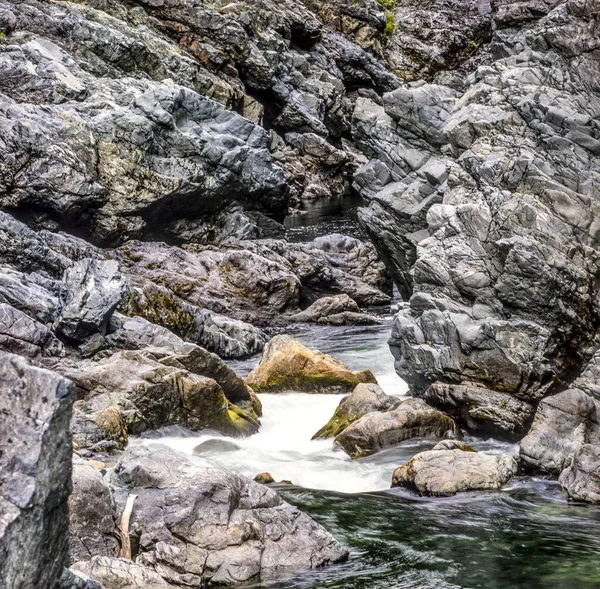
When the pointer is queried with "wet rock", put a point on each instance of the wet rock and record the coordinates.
(215, 445)
(264, 478)
(441, 473)
(326, 306)
(412, 419)
(91, 291)
(35, 474)
(581, 479)
(136, 333)
(481, 409)
(117, 573)
(287, 365)
(453, 445)
(196, 521)
(563, 423)
(138, 391)
(19, 334)
(92, 513)
(365, 398)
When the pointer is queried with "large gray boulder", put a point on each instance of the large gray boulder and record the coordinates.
(581, 479)
(35, 474)
(483, 201)
(441, 473)
(482, 410)
(130, 392)
(196, 521)
(90, 293)
(563, 423)
(19, 334)
(412, 419)
(92, 514)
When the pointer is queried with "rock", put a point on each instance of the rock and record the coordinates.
(482, 410)
(19, 334)
(35, 474)
(287, 365)
(92, 514)
(324, 307)
(101, 430)
(92, 290)
(264, 478)
(118, 573)
(563, 423)
(138, 334)
(488, 228)
(73, 579)
(441, 473)
(453, 445)
(581, 478)
(412, 419)
(135, 392)
(196, 521)
(365, 398)
(215, 445)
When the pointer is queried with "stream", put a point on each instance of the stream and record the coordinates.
(526, 536)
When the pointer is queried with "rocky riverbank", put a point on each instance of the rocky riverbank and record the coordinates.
(150, 151)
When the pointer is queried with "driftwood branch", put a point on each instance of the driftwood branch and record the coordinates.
(124, 527)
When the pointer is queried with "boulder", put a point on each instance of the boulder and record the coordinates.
(91, 291)
(563, 423)
(288, 365)
(92, 514)
(412, 419)
(121, 573)
(19, 334)
(35, 474)
(453, 445)
(482, 410)
(581, 479)
(365, 398)
(441, 473)
(195, 521)
(134, 391)
(324, 307)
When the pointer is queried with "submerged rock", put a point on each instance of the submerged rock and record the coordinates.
(442, 473)
(197, 522)
(365, 398)
(35, 474)
(412, 419)
(215, 445)
(288, 365)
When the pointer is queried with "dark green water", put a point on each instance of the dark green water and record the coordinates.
(524, 538)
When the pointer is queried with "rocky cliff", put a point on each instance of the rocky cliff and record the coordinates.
(150, 151)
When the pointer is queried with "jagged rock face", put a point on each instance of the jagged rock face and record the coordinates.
(130, 104)
(484, 202)
(35, 474)
(196, 521)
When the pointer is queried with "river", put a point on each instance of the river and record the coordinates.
(526, 536)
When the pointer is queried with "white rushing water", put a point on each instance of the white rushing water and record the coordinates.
(283, 446)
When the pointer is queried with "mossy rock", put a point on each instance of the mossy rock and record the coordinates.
(289, 366)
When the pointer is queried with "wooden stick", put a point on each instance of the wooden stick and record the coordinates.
(124, 527)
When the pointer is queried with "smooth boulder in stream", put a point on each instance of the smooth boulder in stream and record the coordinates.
(412, 419)
(288, 365)
(441, 473)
